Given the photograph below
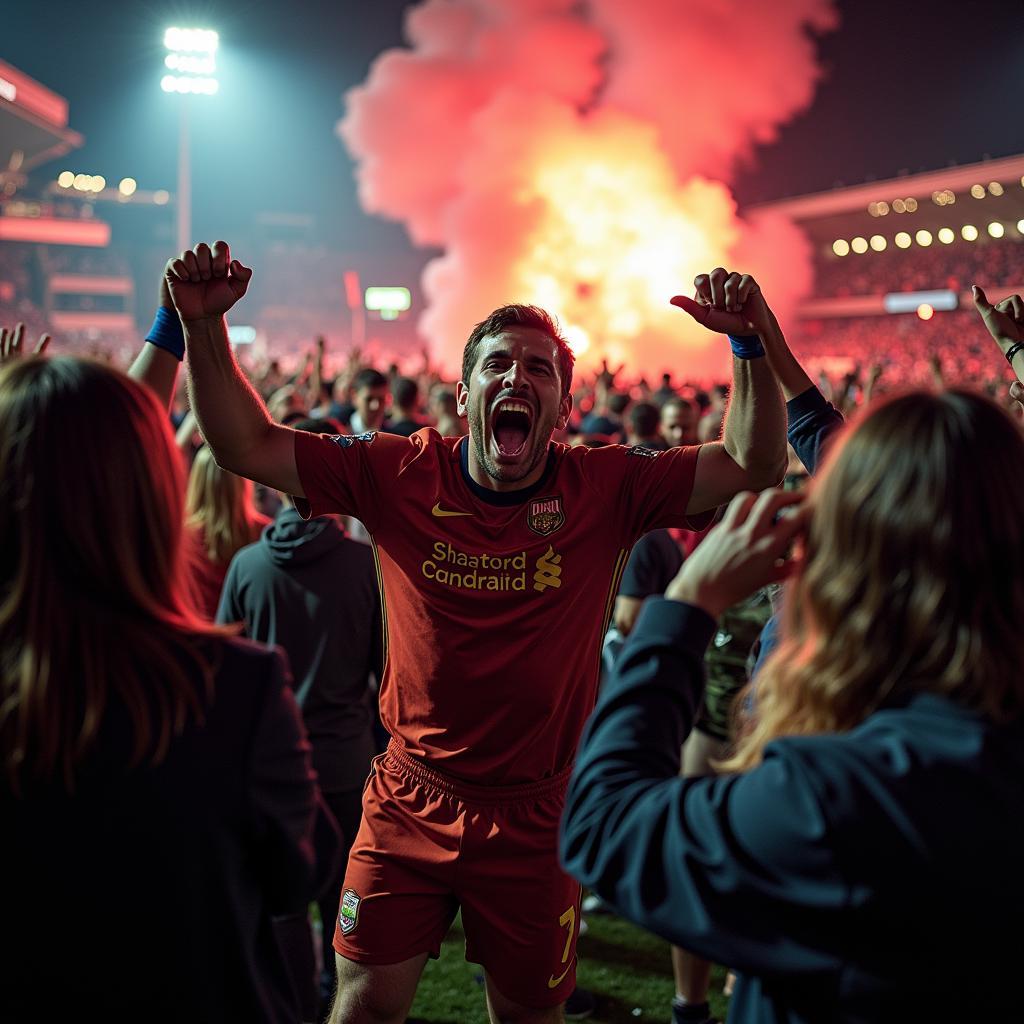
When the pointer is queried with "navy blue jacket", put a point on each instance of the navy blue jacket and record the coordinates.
(868, 876)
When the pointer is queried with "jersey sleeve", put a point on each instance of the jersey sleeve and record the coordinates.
(350, 475)
(647, 489)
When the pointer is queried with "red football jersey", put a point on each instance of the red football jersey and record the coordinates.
(495, 604)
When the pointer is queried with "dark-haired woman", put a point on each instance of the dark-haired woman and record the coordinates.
(157, 795)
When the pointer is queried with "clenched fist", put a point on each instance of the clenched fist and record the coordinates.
(729, 303)
(205, 283)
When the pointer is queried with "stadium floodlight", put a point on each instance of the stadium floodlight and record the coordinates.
(191, 40)
(841, 247)
(902, 240)
(127, 186)
(946, 236)
(924, 238)
(995, 229)
(878, 243)
(859, 245)
(192, 66)
(387, 301)
(66, 179)
(969, 233)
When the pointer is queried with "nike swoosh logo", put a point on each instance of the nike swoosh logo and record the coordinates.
(555, 982)
(442, 513)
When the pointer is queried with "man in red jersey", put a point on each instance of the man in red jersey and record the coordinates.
(499, 557)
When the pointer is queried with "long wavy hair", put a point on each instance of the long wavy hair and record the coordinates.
(93, 592)
(220, 509)
(912, 578)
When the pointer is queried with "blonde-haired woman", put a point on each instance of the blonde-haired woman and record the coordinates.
(157, 795)
(861, 860)
(222, 517)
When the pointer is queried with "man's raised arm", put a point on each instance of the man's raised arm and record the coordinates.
(752, 453)
(204, 284)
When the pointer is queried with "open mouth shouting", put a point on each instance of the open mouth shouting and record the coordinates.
(511, 423)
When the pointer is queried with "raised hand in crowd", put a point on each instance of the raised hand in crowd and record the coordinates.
(747, 550)
(729, 303)
(205, 283)
(12, 343)
(1005, 322)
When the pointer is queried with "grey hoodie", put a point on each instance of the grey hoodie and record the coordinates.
(309, 589)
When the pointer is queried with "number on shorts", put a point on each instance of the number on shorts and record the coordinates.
(568, 920)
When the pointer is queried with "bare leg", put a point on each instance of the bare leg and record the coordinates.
(375, 993)
(503, 1010)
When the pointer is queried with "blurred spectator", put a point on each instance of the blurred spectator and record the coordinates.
(405, 397)
(222, 518)
(678, 422)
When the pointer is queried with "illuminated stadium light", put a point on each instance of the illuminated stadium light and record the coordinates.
(1020, 226)
(996, 230)
(969, 233)
(241, 334)
(387, 299)
(883, 208)
(873, 209)
(899, 206)
(127, 186)
(925, 312)
(161, 197)
(186, 84)
(943, 197)
(978, 191)
(878, 243)
(190, 65)
(946, 236)
(924, 238)
(995, 188)
(903, 240)
(859, 244)
(191, 40)
(66, 179)
(910, 204)
(98, 183)
(81, 182)
(841, 247)
(909, 302)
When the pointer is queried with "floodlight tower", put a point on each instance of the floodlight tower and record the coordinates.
(191, 62)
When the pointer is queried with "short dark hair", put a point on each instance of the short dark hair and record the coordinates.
(679, 402)
(369, 378)
(618, 402)
(518, 315)
(313, 425)
(643, 418)
(405, 392)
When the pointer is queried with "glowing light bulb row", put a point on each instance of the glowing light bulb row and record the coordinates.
(923, 237)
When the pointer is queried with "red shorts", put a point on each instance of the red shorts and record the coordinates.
(428, 845)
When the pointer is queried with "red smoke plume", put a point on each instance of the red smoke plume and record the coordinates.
(579, 157)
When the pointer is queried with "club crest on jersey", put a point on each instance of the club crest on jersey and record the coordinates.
(347, 440)
(545, 515)
(349, 913)
(647, 453)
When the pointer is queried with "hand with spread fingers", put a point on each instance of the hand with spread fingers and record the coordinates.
(727, 302)
(1004, 320)
(12, 344)
(747, 550)
(205, 283)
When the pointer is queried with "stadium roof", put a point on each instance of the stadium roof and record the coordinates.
(33, 124)
(827, 214)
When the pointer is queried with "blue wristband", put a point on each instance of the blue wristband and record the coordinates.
(167, 333)
(746, 347)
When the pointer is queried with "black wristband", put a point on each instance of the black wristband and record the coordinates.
(1013, 350)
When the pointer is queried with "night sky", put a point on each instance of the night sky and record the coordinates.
(908, 86)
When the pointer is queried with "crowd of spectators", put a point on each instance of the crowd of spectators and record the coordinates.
(938, 266)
